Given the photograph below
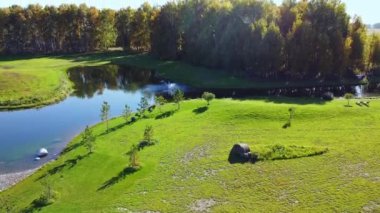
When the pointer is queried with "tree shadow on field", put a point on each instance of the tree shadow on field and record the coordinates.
(117, 127)
(284, 100)
(119, 177)
(165, 115)
(34, 206)
(69, 163)
(296, 101)
(71, 147)
(200, 110)
(91, 57)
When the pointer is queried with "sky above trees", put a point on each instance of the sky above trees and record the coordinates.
(367, 9)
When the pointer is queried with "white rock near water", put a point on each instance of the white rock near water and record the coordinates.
(42, 153)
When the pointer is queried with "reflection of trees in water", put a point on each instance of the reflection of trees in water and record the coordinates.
(90, 80)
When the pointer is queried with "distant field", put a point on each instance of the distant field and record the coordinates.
(29, 82)
(188, 169)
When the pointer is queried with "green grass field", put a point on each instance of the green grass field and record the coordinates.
(188, 169)
(36, 81)
(30, 82)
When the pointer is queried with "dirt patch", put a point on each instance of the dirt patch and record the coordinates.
(196, 153)
(202, 205)
(11, 74)
(122, 209)
(7, 67)
(356, 170)
(371, 207)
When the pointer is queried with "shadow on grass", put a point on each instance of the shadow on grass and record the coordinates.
(288, 124)
(91, 57)
(69, 163)
(349, 106)
(284, 100)
(117, 127)
(73, 162)
(119, 177)
(72, 147)
(20, 57)
(200, 110)
(35, 205)
(296, 101)
(165, 115)
(362, 104)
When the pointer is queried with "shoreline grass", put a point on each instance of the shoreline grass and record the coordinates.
(190, 163)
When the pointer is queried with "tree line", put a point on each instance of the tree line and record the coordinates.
(313, 39)
(63, 29)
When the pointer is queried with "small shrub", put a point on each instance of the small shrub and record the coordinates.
(160, 101)
(208, 96)
(143, 106)
(288, 124)
(48, 195)
(104, 112)
(178, 96)
(348, 97)
(281, 152)
(148, 133)
(127, 112)
(133, 156)
(88, 139)
(148, 138)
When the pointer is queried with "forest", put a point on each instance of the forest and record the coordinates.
(310, 40)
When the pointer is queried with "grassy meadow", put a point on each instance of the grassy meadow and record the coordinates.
(188, 170)
(30, 82)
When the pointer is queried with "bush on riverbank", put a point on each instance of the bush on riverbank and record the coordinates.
(281, 152)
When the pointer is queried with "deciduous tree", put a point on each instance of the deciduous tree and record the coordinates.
(104, 112)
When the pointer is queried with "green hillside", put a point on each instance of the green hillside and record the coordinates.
(188, 169)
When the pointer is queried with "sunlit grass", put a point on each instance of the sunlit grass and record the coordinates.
(190, 161)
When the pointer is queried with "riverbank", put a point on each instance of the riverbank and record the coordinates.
(38, 81)
(189, 164)
(10, 179)
(63, 90)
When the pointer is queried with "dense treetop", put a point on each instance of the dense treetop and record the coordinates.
(313, 39)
